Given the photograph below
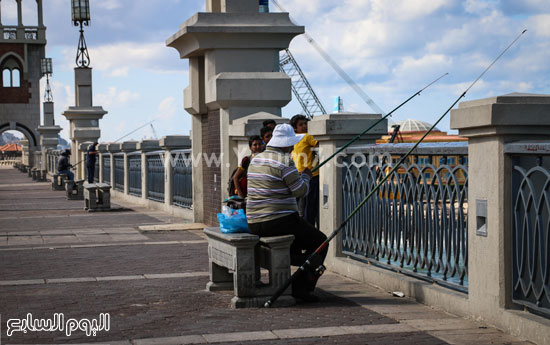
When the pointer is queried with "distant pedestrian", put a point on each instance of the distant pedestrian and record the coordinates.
(63, 165)
(91, 157)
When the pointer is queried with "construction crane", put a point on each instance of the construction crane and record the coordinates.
(155, 136)
(337, 68)
(300, 86)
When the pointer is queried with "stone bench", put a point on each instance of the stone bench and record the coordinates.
(29, 171)
(234, 264)
(97, 196)
(42, 175)
(34, 174)
(74, 189)
(58, 181)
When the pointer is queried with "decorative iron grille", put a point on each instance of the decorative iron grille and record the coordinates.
(416, 223)
(134, 174)
(106, 168)
(119, 172)
(182, 183)
(531, 231)
(155, 176)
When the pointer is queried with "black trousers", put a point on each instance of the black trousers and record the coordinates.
(306, 239)
(91, 173)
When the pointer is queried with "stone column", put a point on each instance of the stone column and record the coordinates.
(19, 13)
(48, 132)
(127, 147)
(171, 143)
(489, 124)
(102, 149)
(40, 13)
(234, 72)
(146, 146)
(83, 117)
(113, 148)
(333, 131)
(25, 157)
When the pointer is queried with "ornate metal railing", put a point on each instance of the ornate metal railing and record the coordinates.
(182, 183)
(96, 171)
(119, 171)
(531, 225)
(31, 34)
(10, 33)
(416, 223)
(106, 167)
(134, 173)
(155, 176)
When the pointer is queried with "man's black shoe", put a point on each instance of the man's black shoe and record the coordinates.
(306, 297)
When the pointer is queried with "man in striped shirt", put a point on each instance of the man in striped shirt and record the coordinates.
(272, 210)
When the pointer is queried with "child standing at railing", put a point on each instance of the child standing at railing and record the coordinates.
(304, 156)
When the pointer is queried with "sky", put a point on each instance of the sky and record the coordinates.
(391, 48)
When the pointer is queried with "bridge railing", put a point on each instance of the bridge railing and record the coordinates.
(417, 222)
(531, 224)
(157, 173)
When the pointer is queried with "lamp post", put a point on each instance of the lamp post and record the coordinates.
(81, 17)
(47, 70)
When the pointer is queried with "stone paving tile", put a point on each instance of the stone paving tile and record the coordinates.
(59, 239)
(103, 261)
(154, 308)
(416, 338)
(489, 336)
(24, 240)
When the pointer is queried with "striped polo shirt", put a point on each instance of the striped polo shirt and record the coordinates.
(273, 186)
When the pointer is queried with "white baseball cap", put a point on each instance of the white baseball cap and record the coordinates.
(284, 136)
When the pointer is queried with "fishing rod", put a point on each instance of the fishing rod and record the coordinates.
(375, 124)
(337, 68)
(323, 245)
(135, 130)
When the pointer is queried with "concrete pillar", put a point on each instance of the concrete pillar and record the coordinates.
(127, 147)
(40, 13)
(333, 131)
(489, 124)
(83, 117)
(113, 148)
(1, 17)
(102, 149)
(25, 158)
(146, 146)
(48, 132)
(233, 56)
(169, 144)
(19, 13)
(83, 149)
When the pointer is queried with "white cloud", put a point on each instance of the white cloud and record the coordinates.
(108, 4)
(115, 98)
(541, 25)
(119, 59)
(167, 109)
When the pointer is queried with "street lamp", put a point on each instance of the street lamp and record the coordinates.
(47, 70)
(81, 17)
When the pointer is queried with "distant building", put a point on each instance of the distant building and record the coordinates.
(410, 131)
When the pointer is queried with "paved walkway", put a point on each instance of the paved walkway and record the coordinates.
(56, 258)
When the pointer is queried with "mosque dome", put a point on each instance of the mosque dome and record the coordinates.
(411, 125)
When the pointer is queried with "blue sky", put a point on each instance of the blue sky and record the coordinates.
(391, 48)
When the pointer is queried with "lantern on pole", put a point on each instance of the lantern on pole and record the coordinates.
(47, 70)
(81, 17)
